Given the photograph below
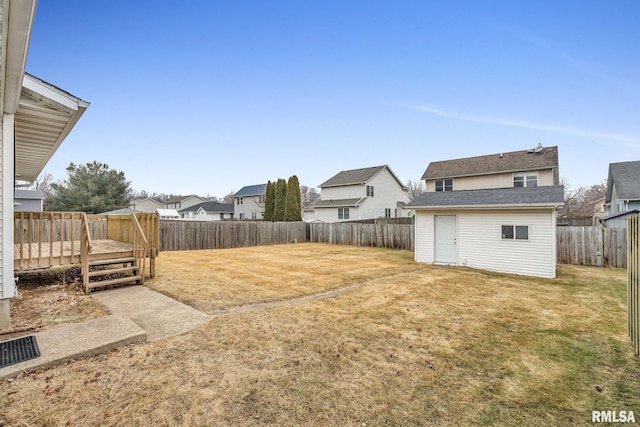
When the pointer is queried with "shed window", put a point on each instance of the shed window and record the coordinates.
(444, 185)
(515, 232)
(525, 180)
(343, 213)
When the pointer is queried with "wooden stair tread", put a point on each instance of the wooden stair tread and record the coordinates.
(111, 261)
(103, 283)
(112, 271)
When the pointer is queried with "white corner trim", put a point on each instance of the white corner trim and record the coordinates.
(8, 155)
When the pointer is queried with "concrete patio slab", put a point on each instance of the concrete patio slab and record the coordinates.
(159, 315)
(78, 340)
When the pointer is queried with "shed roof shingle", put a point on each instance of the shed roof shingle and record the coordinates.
(626, 177)
(494, 163)
(528, 196)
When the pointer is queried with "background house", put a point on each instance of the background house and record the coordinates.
(374, 192)
(208, 211)
(28, 201)
(145, 205)
(248, 202)
(35, 119)
(623, 187)
(182, 202)
(495, 212)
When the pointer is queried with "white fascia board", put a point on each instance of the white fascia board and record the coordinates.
(54, 94)
(19, 23)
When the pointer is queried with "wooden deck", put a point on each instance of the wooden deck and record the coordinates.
(48, 254)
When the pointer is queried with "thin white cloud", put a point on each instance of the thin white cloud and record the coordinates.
(527, 125)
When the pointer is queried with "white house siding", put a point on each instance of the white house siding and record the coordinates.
(480, 243)
(343, 192)
(424, 223)
(386, 195)
(498, 180)
(250, 204)
(331, 215)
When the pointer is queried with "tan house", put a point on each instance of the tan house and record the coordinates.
(182, 202)
(145, 205)
(36, 118)
(495, 212)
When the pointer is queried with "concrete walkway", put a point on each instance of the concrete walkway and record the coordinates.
(138, 315)
(159, 315)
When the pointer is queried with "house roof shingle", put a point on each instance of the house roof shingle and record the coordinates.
(336, 203)
(505, 197)
(357, 176)
(626, 176)
(494, 163)
(251, 190)
(210, 207)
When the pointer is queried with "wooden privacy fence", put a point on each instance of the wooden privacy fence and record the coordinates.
(580, 246)
(633, 284)
(193, 235)
(381, 234)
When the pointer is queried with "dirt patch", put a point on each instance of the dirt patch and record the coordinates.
(48, 298)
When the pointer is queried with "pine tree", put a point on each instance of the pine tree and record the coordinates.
(293, 205)
(269, 201)
(280, 200)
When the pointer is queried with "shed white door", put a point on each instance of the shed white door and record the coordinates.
(446, 251)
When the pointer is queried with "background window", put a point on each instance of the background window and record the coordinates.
(387, 213)
(444, 185)
(369, 190)
(343, 213)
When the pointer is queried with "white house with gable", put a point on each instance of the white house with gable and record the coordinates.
(367, 193)
(248, 202)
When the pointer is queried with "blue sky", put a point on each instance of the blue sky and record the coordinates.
(205, 97)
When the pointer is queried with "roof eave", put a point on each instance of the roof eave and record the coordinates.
(488, 206)
(19, 25)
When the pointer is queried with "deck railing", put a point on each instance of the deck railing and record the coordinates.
(36, 233)
(44, 239)
(85, 250)
(140, 246)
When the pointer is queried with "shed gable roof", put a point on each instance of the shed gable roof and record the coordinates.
(492, 198)
(626, 177)
(251, 190)
(514, 161)
(358, 177)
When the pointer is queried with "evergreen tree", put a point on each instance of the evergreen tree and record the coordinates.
(90, 188)
(280, 200)
(293, 204)
(269, 201)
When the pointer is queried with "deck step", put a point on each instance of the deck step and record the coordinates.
(113, 271)
(111, 261)
(103, 283)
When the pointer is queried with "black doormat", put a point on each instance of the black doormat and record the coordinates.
(18, 350)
